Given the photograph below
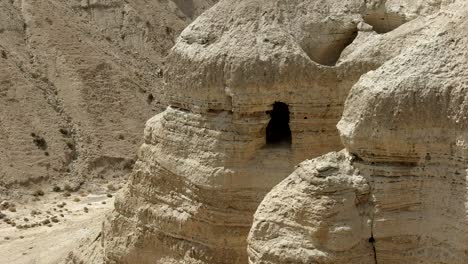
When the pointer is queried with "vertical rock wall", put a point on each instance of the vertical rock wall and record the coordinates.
(399, 196)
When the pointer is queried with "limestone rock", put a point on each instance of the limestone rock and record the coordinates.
(405, 127)
(252, 92)
(407, 122)
(319, 214)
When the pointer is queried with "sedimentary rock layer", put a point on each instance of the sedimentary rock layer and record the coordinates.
(207, 160)
(400, 195)
(319, 214)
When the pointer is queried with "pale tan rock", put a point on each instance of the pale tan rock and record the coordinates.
(407, 122)
(405, 125)
(319, 214)
(206, 163)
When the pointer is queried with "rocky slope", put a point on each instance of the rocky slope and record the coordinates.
(254, 87)
(397, 194)
(77, 84)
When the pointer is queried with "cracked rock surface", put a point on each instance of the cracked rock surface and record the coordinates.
(400, 196)
(206, 163)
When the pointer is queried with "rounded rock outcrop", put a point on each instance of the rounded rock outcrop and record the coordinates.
(252, 91)
(404, 130)
(319, 214)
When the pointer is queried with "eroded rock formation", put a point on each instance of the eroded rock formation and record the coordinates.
(319, 214)
(400, 195)
(242, 71)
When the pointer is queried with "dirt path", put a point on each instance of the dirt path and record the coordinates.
(47, 230)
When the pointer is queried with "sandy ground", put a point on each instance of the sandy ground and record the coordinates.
(45, 231)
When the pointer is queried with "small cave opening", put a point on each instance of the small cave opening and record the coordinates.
(383, 22)
(278, 131)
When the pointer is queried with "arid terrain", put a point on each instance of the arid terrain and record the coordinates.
(45, 231)
(78, 80)
(233, 131)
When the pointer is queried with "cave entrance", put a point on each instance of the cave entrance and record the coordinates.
(277, 130)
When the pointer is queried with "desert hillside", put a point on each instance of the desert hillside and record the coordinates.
(235, 132)
(78, 81)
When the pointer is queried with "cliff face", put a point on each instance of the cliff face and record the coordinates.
(397, 193)
(321, 213)
(78, 83)
(414, 123)
(254, 87)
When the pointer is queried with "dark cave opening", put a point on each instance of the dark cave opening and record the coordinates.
(277, 130)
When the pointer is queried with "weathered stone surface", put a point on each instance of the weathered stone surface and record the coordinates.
(206, 163)
(192, 191)
(407, 121)
(319, 214)
(405, 125)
